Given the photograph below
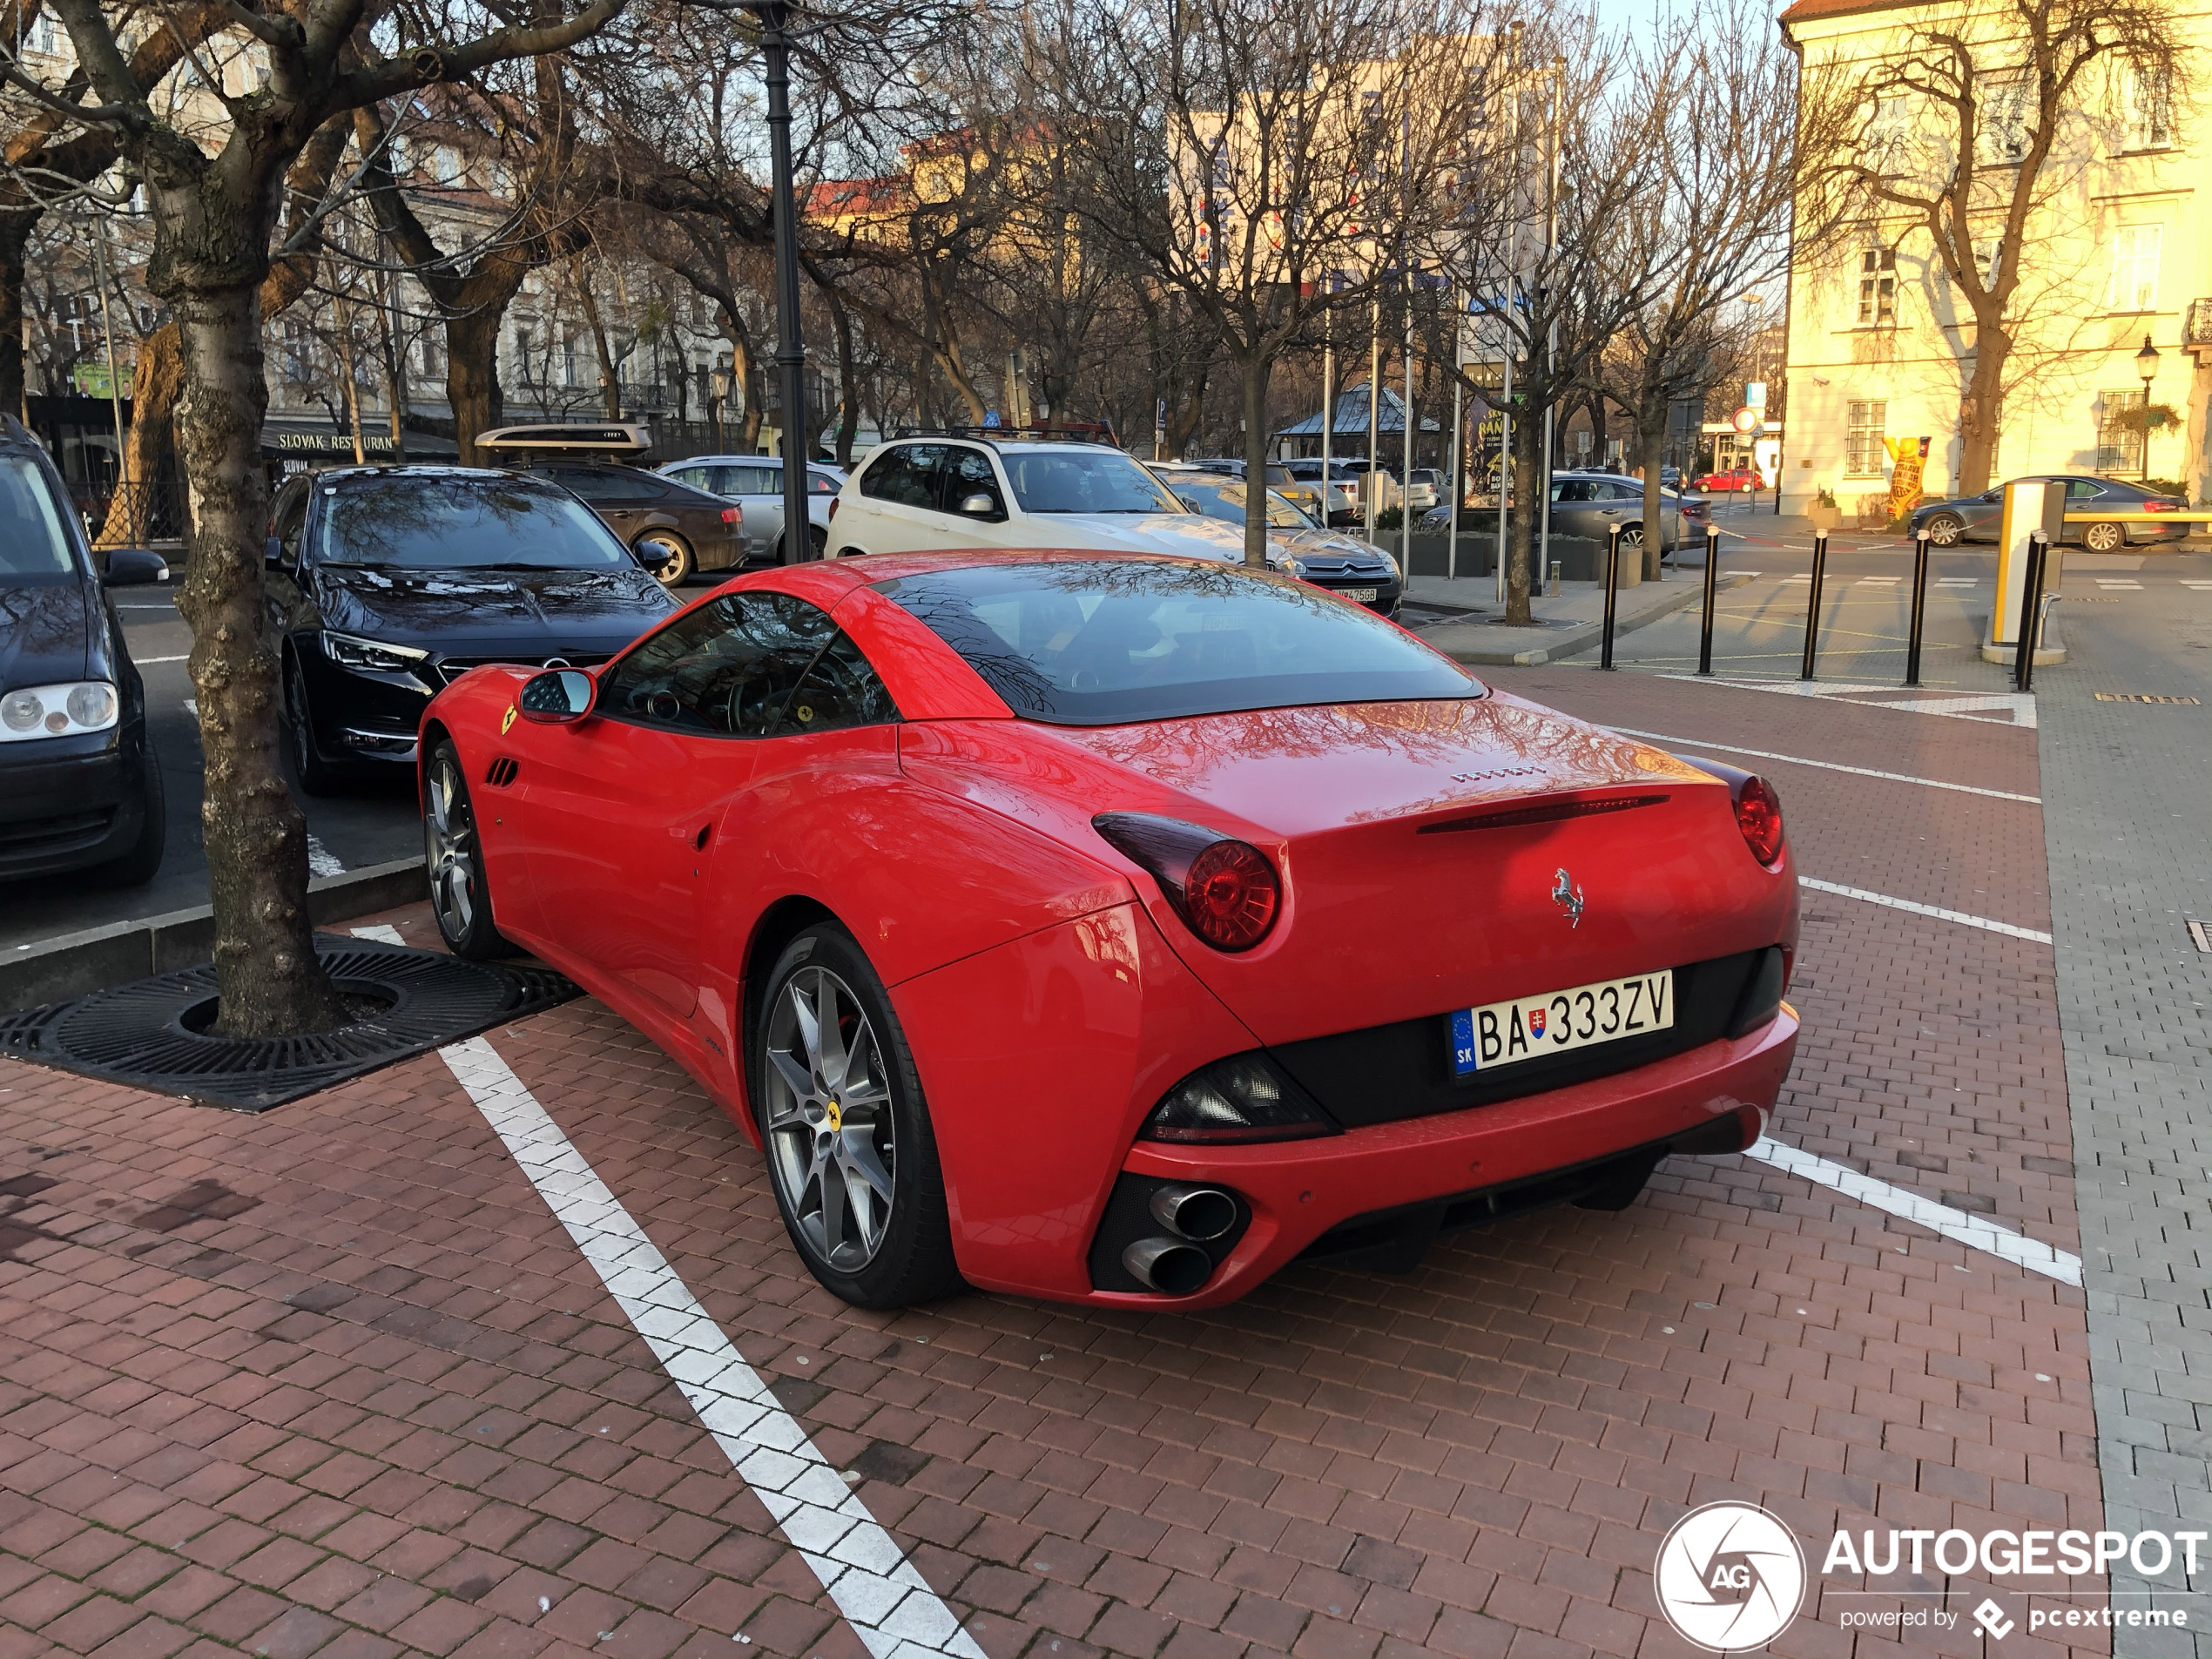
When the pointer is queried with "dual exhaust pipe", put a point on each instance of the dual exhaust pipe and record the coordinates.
(1175, 1265)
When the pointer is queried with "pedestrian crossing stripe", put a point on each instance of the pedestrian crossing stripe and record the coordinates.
(2200, 586)
(2102, 583)
(1879, 581)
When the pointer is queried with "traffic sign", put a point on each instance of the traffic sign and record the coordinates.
(1755, 395)
(1746, 420)
(990, 419)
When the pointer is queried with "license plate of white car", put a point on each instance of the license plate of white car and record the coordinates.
(1358, 595)
(1524, 1027)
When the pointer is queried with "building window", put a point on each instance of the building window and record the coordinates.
(523, 356)
(2148, 90)
(1878, 287)
(1863, 440)
(2135, 268)
(2120, 445)
(2002, 134)
(572, 361)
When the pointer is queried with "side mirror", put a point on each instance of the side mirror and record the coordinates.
(979, 505)
(132, 567)
(272, 553)
(558, 696)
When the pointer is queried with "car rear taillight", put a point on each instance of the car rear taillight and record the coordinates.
(833, 511)
(2156, 505)
(1758, 814)
(733, 515)
(1224, 889)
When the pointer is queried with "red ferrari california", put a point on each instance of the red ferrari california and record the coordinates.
(1120, 929)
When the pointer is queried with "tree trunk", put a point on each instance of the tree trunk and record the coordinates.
(1528, 445)
(472, 378)
(1255, 374)
(257, 838)
(1977, 409)
(1651, 432)
(848, 382)
(15, 235)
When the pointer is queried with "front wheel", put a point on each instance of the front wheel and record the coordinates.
(453, 859)
(850, 1152)
(316, 775)
(2102, 538)
(1945, 529)
(139, 865)
(667, 556)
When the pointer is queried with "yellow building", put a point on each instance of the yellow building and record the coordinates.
(1882, 339)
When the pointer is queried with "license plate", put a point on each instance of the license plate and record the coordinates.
(1503, 1033)
(1358, 595)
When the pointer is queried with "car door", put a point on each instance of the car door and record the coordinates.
(969, 480)
(758, 490)
(620, 809)
(903, 488)
(1575, 509)
(2086, 496)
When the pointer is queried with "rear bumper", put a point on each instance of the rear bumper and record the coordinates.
(1714, 1098)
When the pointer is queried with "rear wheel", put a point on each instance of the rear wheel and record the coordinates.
(2102, 538)
(668, 555)
(817, 540)
(850, 1152)
(1945, 529)
(1632, 536)
(453, 859)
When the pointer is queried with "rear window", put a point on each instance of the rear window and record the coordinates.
(1104, 642)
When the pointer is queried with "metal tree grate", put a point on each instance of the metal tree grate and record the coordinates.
(142, 1033)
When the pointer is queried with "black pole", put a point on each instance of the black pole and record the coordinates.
(1919, 606)
(1812, 603)
(1612, 591)
(2031, 608)
(1712, 589)
(791, 349)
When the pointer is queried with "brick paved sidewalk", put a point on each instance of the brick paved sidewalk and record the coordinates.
(334, 1380)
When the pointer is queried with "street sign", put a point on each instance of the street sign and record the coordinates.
(990, 419)
(1160, 415)
(1755, 395)
(1746, 420)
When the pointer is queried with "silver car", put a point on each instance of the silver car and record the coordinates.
(756, 483)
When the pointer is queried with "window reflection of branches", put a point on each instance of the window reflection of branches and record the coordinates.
(429, 522)
(749, 665)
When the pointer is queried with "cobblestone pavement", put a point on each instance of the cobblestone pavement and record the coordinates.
(335, 1381)
(2133, 994)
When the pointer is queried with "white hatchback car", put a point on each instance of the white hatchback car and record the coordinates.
(923, 494)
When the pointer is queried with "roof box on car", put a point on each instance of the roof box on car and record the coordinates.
(622, 439)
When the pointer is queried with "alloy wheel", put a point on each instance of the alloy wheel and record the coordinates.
(2101, 538)
(449, 847)
(1945, 531)
(828, 1119)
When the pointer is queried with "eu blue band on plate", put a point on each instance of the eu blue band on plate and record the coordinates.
(1463, 1042)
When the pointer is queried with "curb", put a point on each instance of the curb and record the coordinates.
(76, 964)
(1573, 642)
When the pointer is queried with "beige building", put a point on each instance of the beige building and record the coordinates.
(1881, 341)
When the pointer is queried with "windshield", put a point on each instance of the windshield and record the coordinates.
(1065, 482)
(31, 539)
(1228, 498)
(430, 522)
(1104, 642)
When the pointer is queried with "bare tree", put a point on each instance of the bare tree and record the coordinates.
(1971, 129)
(215, 202)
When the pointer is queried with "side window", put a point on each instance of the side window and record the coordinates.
(594, 485)
(697, 477)
(1574, 490)
(2081, 489)
(820, 483)
(967, 472)
(907, 474)
(753, 481)
(725, 670)
(840, 690)
(291, 519)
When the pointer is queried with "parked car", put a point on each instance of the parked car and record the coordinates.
(756, 483)
(1304, 494)
(1980, 519)
(80, 786)
(1230, 925)
(1734, 478)
(1359, 570)
(1670, 476)
(388, 583)
(1424, 489)
(1589, 504)
(925, 494)
(1343, 482)
(673, 529)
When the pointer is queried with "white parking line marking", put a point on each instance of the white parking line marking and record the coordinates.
(172, 610)
(1918, 909)
(321, 860)
(2020, 705)
(2200, 586)
(1959, 1226)
(2104, 581)
(887, 1601)
(147, 661)
(1878, 580)
(1957, 582)
(1832, 766)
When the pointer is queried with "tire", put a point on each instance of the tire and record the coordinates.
(1945, 529)
(817, 541)
(833, 1176)
(2103, 538)
(667, 555)
(139, 865)
(316, 775)
(1632, 536)
(453, 861)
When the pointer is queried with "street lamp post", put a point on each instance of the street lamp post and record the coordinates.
(791, 350)
(2147, 370)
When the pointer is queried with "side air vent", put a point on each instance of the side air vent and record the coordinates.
(502, 772)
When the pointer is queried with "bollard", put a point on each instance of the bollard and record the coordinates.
(1612, 591)
(2031, 622)
(1712, 576)
(1812, 603)
(1919, 606)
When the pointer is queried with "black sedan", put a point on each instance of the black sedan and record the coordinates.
(79, 789)
(674, 529)
(1980, 519)
(385, 584)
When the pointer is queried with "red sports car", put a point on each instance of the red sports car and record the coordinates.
(1120, 929)
(1734, 478)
